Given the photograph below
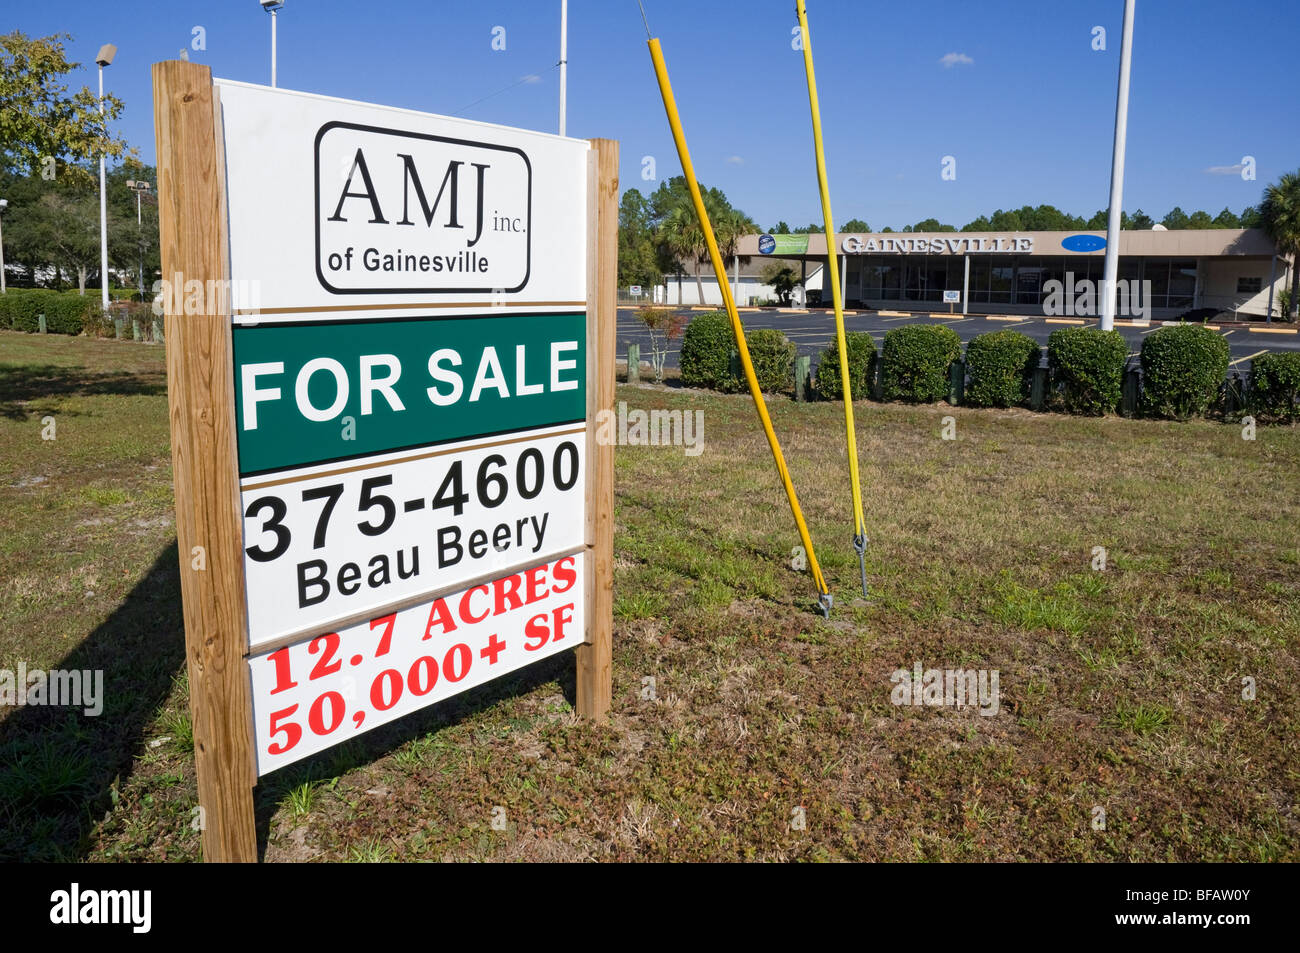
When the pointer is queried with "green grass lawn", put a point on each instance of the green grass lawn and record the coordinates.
(1120, 689)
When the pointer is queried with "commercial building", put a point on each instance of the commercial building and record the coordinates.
(744, 275)
(1232, 270)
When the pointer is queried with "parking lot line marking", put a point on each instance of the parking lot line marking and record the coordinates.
(901, 317)
(1226, 333)
(1272, 330)
(1248, 357)
(1149, 330)
(1004, 317)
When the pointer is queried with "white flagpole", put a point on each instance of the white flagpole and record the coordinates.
(1115, 216)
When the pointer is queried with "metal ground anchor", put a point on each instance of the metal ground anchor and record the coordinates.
(824, 601)
(860, 545)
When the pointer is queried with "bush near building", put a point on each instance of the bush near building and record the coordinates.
(707, 347)
(861, 350)
(1275, 385)
(1001, 366)
(916, 360)
(1086, 366)
(772, 355)
(1182, 369)
(707, 343)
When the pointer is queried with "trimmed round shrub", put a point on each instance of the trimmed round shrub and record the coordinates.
(1001, 366)
(1087, 368)
(1275, 385)
(1182, 368)
(916, 359)
(707, 343)
(772, 355)
(861, 350)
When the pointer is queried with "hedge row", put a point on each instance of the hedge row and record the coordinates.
(65, 311)
(1183, 367)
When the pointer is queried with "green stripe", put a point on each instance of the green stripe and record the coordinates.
(284, 437)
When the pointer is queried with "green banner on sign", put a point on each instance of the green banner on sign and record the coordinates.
(312, 393)
(790, 245)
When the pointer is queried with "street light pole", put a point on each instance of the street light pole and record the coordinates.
(4, 204)
(1115, 216)
(139, 187)
(564, 60)
(272, 7)
(105, 57)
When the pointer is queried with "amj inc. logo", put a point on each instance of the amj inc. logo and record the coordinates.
(403, 212)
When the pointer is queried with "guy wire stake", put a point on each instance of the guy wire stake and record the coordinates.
(860, 544)
(825, 600)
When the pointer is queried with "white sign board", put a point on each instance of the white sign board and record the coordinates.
(293, 170)
(950, 297)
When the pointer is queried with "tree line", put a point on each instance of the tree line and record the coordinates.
(657, 233)
(1048, 218)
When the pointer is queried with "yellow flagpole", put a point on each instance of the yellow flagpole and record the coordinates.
(719, 269)
(832, 265)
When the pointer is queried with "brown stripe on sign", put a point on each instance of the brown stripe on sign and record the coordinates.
(418, 306)
(417, 456)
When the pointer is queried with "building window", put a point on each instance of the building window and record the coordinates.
(1249, 286)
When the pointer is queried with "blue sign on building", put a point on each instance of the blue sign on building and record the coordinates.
(1083, 243)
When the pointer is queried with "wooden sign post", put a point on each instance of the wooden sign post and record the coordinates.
(389, 335)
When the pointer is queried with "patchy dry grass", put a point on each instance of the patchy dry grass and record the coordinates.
(734, 702)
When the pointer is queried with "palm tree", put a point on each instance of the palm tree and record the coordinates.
(1280, 219)
(682, 235)
(729, 227)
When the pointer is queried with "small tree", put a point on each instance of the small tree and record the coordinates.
(1280, 217)
(664, 326)
(39, 119)
(782, 278)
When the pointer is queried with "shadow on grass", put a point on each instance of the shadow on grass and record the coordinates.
(21, 384)
(59, 767)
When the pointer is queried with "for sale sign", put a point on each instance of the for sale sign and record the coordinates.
(410, 419)
(389, 335)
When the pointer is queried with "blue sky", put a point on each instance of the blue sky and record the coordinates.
(1027, 111)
